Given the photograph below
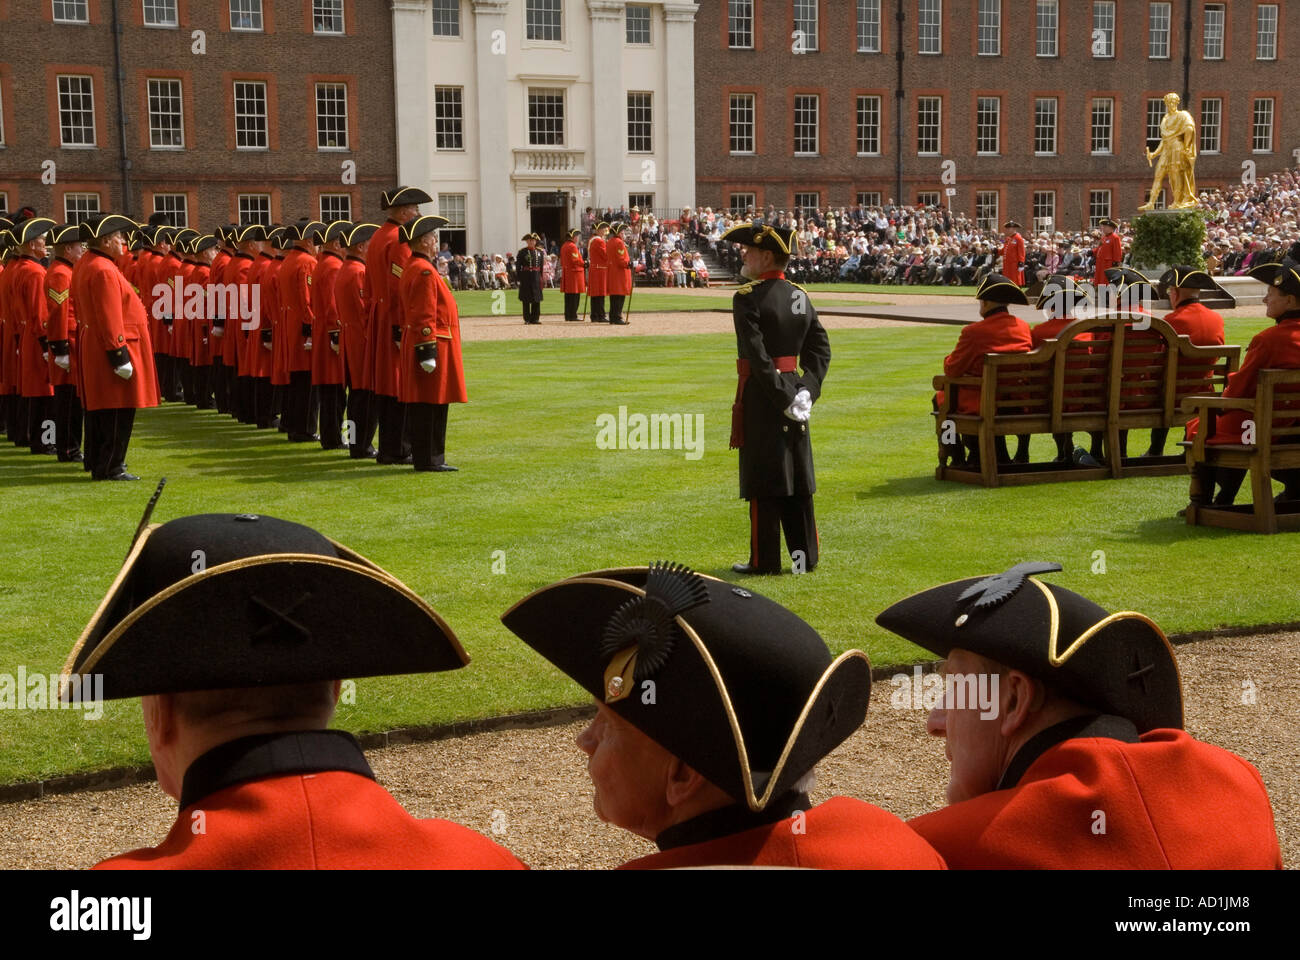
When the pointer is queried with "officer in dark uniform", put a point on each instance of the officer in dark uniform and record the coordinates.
(714, 706)
(777, 332)
(237, 715)
(528, 264)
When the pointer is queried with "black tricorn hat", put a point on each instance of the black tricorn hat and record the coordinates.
(303, 229)
(1116, 663)
(1108, 222)
(999, 289)
(1186, 277)
(359, 233)
(1062, 290)
(743, 690)
(403, 196)
(420, 226)
(222, 601)
(250, 231)
(1125, 278)
(1011, 223)
(779, 240)
(205, 242)
(1285, 275)
(96, 227)
(335, 230)
(575, 232)
(65, 233)
(31, 229)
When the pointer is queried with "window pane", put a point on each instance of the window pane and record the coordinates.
(446, 18)
(1098, 206)
(987, 113)
(742, 122)
(1103, 28)
(76, 111)
(1214, 31)
(805, 124)
(80, 206)
(335, 206)
(327, 17)
(740, 202)
(1044, 211)
(174, 206)
(1048, 27)
(639, 123)
(1211, 124)
(1155, 114)
(250, 115)
(927, 198)
(1262, 132)
(805, 23)
(246, 15)
(1158, 45)
(71, 11)
(927, 125)
(254, 208)
(638, 23)
(990, 27)
(930, 32)
(1045, 125)
(331, 115)
(543, 20)
(1103, 111)
(810, 201)
(869, 125)
(1266, 32)
(160, 13)
(546, 117)
(986, 210)
(448, 119)
(868, 198)
(868, 26)
(740, 23)
(165, 127)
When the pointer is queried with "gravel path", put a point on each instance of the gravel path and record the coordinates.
(641, 325)
(537, 778)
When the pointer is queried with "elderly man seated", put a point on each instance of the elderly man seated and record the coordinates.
(714, 705)
(1075, 755)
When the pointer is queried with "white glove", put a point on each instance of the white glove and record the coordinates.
(334, 347)
(64, 362)
(266, 346)
(45, 356)
(430, 365)
(801, 409)
(306, 344)
(125, 371)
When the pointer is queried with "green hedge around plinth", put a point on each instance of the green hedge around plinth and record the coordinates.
(1166, 239)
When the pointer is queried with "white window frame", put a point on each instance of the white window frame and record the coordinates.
(1165, 33)
(925, 10)
(1109, 149)
(988, 222)
(91, 209)
(1212, 43)
(453, 7)
(740, 12)
(811, 38)
(89, 91)
(865, 25)
(1039, 222)
(1266, 40)
(1056, 123)
(332, 215)
(341, 14)
(1255, 125)
(156, 5)
(1211, 106)
(816, 124)
(265, 116)
(749, 102)
(531, 23)
(254, 10)
(1156, 111)
(731, 201)
(988, 29)
(1047, 17)
(649, 25)
(648, 121)
(529, 93)
(1096, 209)
(176, 84)
(645, 201)
(928, 198)
(62, 5)
(332, 85)
(866, 100)
(816, 196)
(938, 126)
(982, 105)
(243, 203)
(867, 202)
(173, 210)
(455, 126)
(1101, 11)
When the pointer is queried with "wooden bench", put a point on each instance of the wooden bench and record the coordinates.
(1275, 411)
(1100, 375)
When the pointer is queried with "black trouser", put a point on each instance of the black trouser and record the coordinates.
(532, 311)
(391, 415)
(598, 310)
(184, 378)
(245, 399)
(220, 384)
(88, 442)
(203, 386)
(107, 434)
(999, 447)
(18, 426)
(41, 429)
(277, 406)
(67, 421)
(329, 396)
(163, 369)
(571, 303)
(361, 414)
(616, 308)
(263, 393)
(297, 419)
(428, 423)
(767, 517)
(1158, 437)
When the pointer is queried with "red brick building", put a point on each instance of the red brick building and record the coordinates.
(1041, 106)
(208, 110)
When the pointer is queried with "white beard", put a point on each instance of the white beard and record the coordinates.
(747, 273)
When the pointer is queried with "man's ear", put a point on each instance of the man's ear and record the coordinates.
(1021, 695)
(160, 717)
(683, 783)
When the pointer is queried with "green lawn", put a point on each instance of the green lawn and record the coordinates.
(898, 289)
(534, 485)
(486, 303)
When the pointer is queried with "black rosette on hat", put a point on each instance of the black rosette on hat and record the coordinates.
(641, 633)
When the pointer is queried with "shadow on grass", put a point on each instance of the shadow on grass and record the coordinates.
(911, 486)
(1171, 529)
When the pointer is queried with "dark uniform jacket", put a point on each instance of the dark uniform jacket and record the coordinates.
(529, 265)
(303, 801)
(774, 318)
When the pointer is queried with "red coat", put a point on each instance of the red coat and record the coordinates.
(315, 819)
(164, 274)
(1109, 254)
(294, 281)
(1198, 323)
(598, 282)
(1277, 347)
(200, 327)
(620, 268)
(326, 362)
(26, 310)
(354, 320)
(385, 259)
(574, 278)
(999, 332)
(182, 336)
(61, 319)
(257, 355)
(232, 339)
(1051, 329)
(1169, 802)
(110, 316)
(840, 834)
(1013, 259)
(430, 316)
(8, 336)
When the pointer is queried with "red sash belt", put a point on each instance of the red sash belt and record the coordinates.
(783, 364)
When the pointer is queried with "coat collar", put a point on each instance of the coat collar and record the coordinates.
(1091, 725)
(726, 821)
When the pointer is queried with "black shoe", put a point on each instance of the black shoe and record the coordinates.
(74, 457)
(50, 451)
(331, 446)
(367, 454)
(398, 461)
(618, 323)
(123, 475)
(746, 568)
(304, 437)
(442, 468)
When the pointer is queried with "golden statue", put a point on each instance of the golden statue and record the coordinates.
(1177, 153)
